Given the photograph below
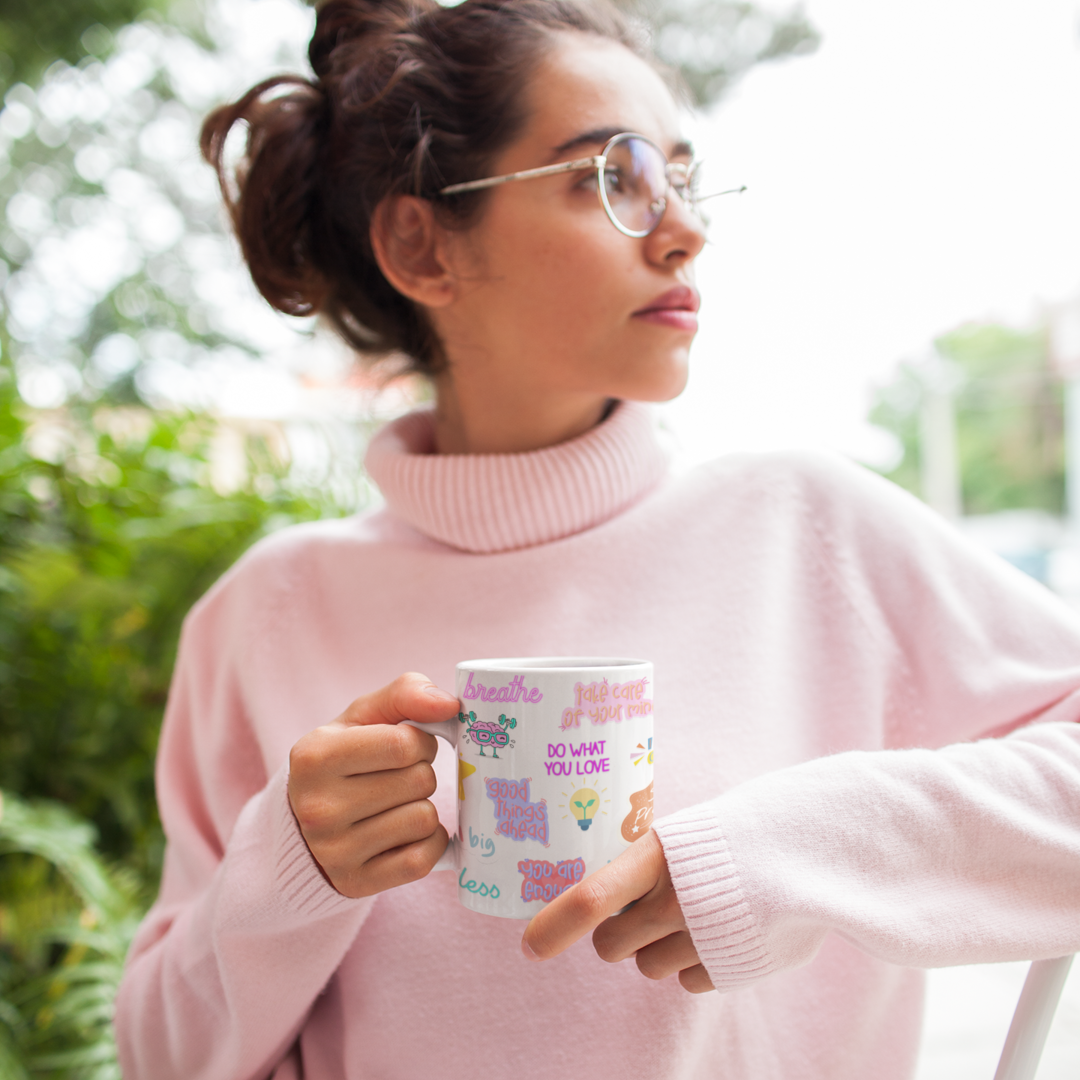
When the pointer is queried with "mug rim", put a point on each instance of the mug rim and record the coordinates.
(552, 663)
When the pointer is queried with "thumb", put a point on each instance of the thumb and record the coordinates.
(411, 696)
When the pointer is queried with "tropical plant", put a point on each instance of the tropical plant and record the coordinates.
(121, 289)
(111, 529)
(67, 921)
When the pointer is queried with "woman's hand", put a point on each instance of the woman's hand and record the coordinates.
(360, 786)
(653, 930)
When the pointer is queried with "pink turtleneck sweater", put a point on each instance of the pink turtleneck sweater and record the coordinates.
(828, 657)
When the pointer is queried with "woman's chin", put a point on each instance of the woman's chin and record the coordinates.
(662, 384)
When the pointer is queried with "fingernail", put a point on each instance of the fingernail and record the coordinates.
(527, 952)
(432, 690)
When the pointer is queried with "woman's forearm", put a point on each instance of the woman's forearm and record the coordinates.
(220, 979)
(922, 858)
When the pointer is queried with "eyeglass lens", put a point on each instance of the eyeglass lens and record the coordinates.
(635, 187)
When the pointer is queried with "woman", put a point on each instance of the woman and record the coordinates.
(807, 855)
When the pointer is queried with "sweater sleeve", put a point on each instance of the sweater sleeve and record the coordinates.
(246, 932)
(967, 854)
(960, 852)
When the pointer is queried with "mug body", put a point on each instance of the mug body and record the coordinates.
(555, 769)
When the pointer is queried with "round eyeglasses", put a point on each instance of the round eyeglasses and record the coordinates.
(633, 178)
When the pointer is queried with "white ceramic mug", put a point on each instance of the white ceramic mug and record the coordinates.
(555, 770)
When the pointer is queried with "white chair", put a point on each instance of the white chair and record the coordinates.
(1031, 1021)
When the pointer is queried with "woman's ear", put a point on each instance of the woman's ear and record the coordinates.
(410, 248)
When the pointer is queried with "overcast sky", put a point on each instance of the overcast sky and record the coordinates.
(919, 171)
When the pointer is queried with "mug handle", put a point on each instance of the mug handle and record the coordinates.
(448, 731)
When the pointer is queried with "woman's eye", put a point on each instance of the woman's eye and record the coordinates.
(613, 181)
(588, 181)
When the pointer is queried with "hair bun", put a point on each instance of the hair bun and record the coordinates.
(346, 28)
(408, 97)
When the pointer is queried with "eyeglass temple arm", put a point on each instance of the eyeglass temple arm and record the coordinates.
(717, 194)
(546, 170)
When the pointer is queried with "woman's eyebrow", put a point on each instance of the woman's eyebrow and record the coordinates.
(600, 136)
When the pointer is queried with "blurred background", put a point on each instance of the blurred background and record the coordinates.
(900, 283)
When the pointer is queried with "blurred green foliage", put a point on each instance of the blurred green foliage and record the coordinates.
(67, 921)
(117, 277)
(109, 532)
(1010, 418)
(34, 33)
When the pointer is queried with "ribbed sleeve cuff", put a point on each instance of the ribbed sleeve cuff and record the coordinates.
(722, 926)
(302, 888)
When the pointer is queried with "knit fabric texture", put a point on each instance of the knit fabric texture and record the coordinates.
(867, 761)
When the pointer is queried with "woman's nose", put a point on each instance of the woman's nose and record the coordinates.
(679, 237)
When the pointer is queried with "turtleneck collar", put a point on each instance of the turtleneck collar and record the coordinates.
(499, 502)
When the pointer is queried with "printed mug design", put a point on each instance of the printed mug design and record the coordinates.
(584, 804)
(481, 888)
(604, 702)
(515, 691)
(561, 750)
(484, 843)
(464, 769)
(487, 732)
(543, 880)
(516, 816)
(637, 822)
(640, 753)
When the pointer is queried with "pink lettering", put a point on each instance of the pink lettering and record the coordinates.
(516, 691)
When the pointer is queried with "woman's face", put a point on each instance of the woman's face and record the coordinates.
(551, 298)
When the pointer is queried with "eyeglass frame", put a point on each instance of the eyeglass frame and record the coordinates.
(599, 162)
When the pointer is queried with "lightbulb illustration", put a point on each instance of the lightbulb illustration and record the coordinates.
(583, 805)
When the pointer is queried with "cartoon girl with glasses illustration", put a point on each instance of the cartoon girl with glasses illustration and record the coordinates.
(871, 751)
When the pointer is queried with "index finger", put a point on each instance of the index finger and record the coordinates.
(583, 907)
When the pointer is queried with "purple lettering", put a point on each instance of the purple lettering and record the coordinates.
(516, 817)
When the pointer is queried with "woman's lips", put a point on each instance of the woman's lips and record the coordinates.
(677, 308)
(676, 318)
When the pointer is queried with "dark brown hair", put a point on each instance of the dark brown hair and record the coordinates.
(408, 97)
